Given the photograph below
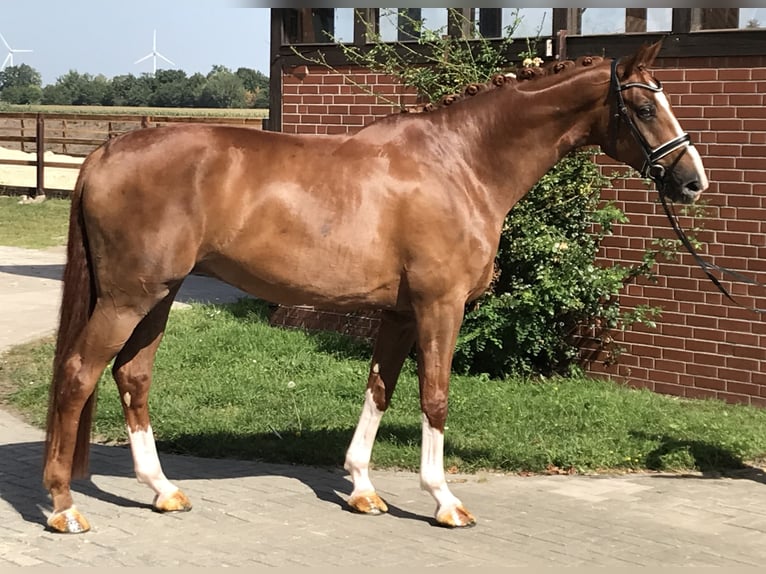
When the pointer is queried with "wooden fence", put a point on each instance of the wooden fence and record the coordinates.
(78, 134)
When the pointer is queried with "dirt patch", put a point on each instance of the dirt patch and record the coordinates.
(25, 176)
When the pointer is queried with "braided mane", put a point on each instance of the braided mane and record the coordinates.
(501, 79)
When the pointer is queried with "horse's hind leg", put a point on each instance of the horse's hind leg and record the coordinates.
(395, 339)
(103, 336)
(133, 373)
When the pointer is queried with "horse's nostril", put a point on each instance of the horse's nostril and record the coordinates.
(690, 194)
(694, 186)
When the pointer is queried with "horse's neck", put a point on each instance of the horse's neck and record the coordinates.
(515, 136)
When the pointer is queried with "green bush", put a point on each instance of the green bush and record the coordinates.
(547, 284)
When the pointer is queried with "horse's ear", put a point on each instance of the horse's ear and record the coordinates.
(642, 59)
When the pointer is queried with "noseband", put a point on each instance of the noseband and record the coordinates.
(651, 167)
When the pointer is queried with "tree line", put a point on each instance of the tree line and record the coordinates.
(220, 88)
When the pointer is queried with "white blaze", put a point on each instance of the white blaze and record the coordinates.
(662, 101)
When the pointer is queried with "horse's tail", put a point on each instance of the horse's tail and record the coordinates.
(77, 302)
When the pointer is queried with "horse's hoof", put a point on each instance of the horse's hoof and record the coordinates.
(455, 517)
(68, 521)
(175, 502)
(368, 503)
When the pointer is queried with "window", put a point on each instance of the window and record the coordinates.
(434, 18)
(309, 25)
(322, 25)
(344, 24)
(751, 18)
(529, 22)
(624, 20)
(398, 24)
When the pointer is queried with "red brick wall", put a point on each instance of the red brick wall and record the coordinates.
(318, 101)
(703, 346)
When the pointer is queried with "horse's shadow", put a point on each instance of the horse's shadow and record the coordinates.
(40, 271)
(196, 287)
(711, 461)
(21, 471)
(21, 475)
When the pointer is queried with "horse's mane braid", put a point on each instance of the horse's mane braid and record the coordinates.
(501, 79)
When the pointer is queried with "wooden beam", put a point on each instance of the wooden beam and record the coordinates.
(275, 71)
(366, 22)
(635, 20)
(491, 22)
(574, 21)
(459, 22)
(405, 23)
(682, 21)
(693, 45)
(40, 191)
(715, 18)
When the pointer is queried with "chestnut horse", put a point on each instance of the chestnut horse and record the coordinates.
(404, 216)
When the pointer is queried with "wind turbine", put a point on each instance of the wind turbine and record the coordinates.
(154, 54)
(11, 51)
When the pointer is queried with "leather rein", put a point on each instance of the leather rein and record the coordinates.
(652, 169)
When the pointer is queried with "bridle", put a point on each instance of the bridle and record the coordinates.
(654, 170)
(651, 167)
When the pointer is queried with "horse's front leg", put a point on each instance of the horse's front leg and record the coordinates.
(395, 339)
(437, 330)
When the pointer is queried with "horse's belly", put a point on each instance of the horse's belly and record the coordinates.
(300, 281)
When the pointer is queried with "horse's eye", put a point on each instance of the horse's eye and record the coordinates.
(647, 112)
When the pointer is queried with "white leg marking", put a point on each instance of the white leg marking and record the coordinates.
(432, 468)
(663, 102)
(147, 463)
(360, 450)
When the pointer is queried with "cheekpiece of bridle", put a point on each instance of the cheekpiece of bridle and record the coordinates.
(654, 170)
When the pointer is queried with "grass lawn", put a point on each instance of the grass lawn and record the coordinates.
(33, 225)
(229, 385)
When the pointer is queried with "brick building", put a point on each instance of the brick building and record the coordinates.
(713, 67)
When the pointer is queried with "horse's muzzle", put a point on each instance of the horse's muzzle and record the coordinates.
(689, 194)
(681, 188)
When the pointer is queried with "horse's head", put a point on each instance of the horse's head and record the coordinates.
(644, 133)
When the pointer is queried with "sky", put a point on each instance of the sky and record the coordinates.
(108, 36)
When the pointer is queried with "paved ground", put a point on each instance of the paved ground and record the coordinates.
(248, 513)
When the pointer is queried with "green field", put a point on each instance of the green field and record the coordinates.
(33, 225)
